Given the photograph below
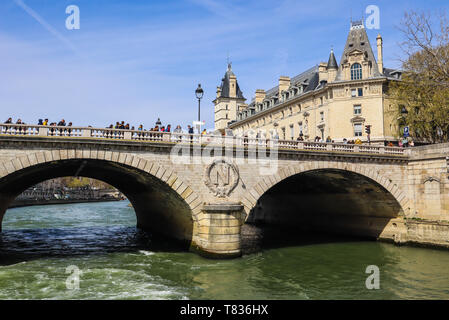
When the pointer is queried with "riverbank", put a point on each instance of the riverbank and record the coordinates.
(28, 203)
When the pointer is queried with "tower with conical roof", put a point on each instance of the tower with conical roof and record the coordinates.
(332, 67)
(229, 100)
(357, 61)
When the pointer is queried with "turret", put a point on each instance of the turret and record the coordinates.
(332, 67)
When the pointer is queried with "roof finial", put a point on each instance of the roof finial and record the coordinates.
(229, 63)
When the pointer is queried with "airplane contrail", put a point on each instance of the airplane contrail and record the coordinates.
(46, 25)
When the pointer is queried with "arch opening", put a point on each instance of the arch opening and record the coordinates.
(159, 209)
(319, 206)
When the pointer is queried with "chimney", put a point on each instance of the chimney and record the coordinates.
(322, 71)
(380, 62)
(218, 92)
(260, 95)
(284, 84)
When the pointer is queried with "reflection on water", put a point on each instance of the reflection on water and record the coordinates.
(119, 261)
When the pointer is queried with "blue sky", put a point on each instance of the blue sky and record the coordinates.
(140, 60)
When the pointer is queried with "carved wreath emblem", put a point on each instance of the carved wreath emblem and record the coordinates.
(222, 177)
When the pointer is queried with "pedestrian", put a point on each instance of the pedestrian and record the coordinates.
(40, 122)
(405, 142)
(45, 122)
(7, 122)
(328, 139)
(168, 129)
(190, 130)
(178, 131)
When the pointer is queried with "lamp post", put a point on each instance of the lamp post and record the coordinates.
(199, 94)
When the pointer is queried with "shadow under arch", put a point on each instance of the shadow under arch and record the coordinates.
(158, 207)
(330, 201)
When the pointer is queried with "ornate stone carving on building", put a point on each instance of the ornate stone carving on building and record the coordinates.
(222, 177)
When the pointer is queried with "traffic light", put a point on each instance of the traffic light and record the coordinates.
(368, 129)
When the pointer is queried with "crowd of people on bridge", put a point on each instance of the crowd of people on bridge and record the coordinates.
(141, 131)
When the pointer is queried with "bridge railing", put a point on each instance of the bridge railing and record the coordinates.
(175, 137)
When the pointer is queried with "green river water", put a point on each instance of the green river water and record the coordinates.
(118, 261)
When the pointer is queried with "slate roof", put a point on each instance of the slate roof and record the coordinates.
(332, 63)
(225, 85)
(358, 40)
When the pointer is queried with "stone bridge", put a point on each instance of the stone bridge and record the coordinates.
(204, 190)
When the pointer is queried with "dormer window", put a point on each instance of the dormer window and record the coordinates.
(356, 71)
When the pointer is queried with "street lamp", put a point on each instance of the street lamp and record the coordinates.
(199, 94)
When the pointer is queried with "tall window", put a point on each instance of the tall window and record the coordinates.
(357, 129)
(357, 109)
(292, 132)
(356, 71)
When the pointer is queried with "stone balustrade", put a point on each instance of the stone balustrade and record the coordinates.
(173, 137)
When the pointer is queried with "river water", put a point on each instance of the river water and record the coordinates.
(118, 261)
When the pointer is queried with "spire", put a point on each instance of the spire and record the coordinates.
(332, 63)
(226, 89)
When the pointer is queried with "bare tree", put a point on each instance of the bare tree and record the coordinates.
(424, 89)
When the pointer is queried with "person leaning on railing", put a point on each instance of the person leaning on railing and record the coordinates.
(9, 121)
(19, 121)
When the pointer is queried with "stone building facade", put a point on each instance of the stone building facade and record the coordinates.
(329, 100)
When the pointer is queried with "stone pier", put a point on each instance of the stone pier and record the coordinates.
(217, 234)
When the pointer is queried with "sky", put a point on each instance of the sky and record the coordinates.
(140, 60)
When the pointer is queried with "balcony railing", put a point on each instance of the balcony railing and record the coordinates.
(173, 137)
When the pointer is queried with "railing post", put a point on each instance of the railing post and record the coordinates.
(166, 136)
(329, 147)
(127, 135)
(43, 131)
(356, 148)
(382, 149)
(300, 145)
(87, 133)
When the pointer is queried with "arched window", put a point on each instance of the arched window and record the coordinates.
(356, 71)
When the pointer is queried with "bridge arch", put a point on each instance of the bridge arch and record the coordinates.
(333, 197)
(267, 182)
(163, 202)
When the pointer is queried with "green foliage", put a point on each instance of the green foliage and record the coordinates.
(424, 89)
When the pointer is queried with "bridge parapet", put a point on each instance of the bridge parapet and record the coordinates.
(174, 137)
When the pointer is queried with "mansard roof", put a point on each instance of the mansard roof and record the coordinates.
(225, 85)
(358, 40)
(308, 78)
